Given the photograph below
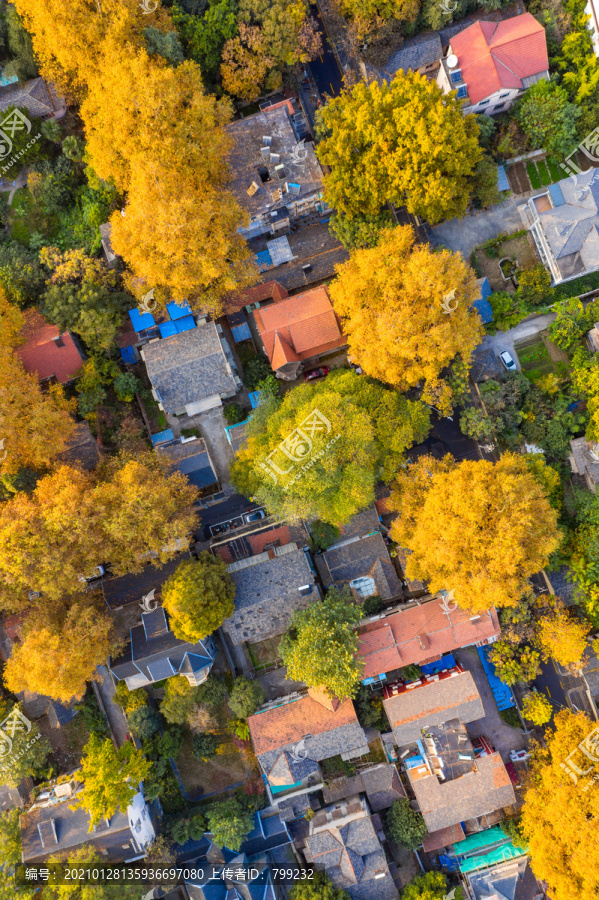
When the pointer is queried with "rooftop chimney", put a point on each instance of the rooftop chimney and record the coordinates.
(58, 341)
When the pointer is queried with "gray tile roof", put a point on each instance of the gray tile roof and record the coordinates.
(267, 594)
(381, 784)
(155, 653)
(82, 448)
(188, 367)
(34, 95)
(345, 739)
(572, 228)
(312, 245)
(477, 793)
(414, 53)
(365, 556)
(433, 704)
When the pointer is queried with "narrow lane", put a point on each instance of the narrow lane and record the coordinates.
(325, 70)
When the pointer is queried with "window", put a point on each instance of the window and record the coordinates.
(483, 102)
(456, 76)
(462, 92)
(501, 96)
(364, 587)
(495, 108)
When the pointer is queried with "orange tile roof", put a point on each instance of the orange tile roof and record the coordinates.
(393, 642)
(41, 355)
(288, 723)
(270, 290)
(306, 322)
(282, 352)
(499, 55)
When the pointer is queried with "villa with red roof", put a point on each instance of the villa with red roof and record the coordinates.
(491, 64)
(295, 332)
(422, 634)
(48, 353)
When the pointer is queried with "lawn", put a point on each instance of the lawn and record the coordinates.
(264, 653)
(554, 170)
(537, 359)
(544, 173)
(225, 769)
(533, 175)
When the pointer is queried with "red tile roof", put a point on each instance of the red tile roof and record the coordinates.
(306, 324)
(496, 55)
(288, 723)
(398, 639)
(270, 290)
(40, 354)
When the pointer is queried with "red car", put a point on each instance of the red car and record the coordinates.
(316, 373)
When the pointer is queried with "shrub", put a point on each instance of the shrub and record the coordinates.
(255, 371)
(144, 722)
(511, 717)
(212, 692)
(247, 695)
(126, 385)
(372, 605)
(404, 825)
(323, 534)
(205, 745)
(370, 711)
(130, 700)
(235, 413)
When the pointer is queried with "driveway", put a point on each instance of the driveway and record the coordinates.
(463, 235)
(212, 426)
(506, 340)
(500, 735)
(116, 718)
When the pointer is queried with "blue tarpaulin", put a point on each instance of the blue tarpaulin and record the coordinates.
(178, 310)
(241, 333)
(185, 324)
(501, 691)
(141, 321)
(162, 437)
(263, 260)
(255, 398)
(128, 355)
(166, 329)
(446, 662)
(502, 182)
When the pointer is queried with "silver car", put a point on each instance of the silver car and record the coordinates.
(508, 361)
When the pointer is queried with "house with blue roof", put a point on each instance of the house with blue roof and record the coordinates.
(153, 653)
(190, 457)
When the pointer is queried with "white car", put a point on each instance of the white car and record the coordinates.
(508, 362)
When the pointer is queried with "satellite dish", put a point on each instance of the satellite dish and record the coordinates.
(452, 61)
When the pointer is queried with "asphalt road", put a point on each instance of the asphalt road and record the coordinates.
(235, 505)
(325, 70)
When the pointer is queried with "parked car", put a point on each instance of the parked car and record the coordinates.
(316, 373)
(254, 516)
(508, 361)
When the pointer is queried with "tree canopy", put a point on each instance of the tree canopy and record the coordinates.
(229, 822)
(406, 310)
(404, 142)
(29, 751)
(320, 645)
(548, 119)
(318, 452)
(110, 777)
(559, 818)
(431, 886)
(478, 529)
(246, 696)
(319, 887)
(198, 596)
(404, 825)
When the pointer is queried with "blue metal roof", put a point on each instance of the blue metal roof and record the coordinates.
(502, 182)
(162, 437)
(185, 324)
(178, 310)
(167, 329)
(241, 333)
(484, 309)
(484, 288)
(555, 192)
(263, 260)
(128, 355)
(141, 321)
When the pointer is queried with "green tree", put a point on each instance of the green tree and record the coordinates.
(87, 857)
(570, 324)
(51, 130)
(144, 722)
(180, 698)
(515, 664)
(512, 828)
(320, 645)
(475, 424)
(323, 535)
(229, 823)
(23, 64)
(431, 886)
(90, 310)
(406, 142)
(404, 825)
(484, 182)
(245, 697)
(537, 708)
(205, 745)
(203, 37)
(166, 45)
(198, 596)
(185, 829)
(110, 777)
(358, 434)
(548, 119)
(28, 753)
(126, 385)
(213, 691)
(21, 275)
(73, 148)
(10, 854)
(318, 887)
(360, 231)
(534, 285)
(130, 700)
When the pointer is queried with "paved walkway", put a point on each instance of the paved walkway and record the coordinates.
(114, 713)
(506, 340)
(500, 735)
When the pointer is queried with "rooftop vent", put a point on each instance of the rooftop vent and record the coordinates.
(266, 140)
(265, 151)
(305, 589)
(274, 157)
(263, 173)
